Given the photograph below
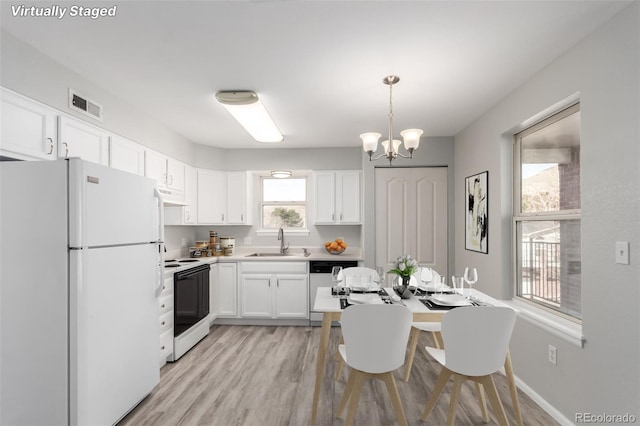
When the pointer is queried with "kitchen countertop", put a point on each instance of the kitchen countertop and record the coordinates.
(295, 255)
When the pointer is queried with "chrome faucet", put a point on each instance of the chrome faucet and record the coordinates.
(283, 249)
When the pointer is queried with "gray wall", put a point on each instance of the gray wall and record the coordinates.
(279, 158)
(602, 377)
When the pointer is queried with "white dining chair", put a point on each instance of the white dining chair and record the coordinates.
(375, 342)
(358, 277)
(416, 328)
(426, 275)
(476, 342)
(348, 277)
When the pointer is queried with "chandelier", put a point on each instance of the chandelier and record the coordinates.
(411, 136)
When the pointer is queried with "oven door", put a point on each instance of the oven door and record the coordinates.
(191, 303)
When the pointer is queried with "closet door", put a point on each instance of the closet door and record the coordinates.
(411, 216)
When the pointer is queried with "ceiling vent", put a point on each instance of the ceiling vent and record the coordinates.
(84, 105)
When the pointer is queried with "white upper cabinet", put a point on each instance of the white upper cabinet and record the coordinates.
(168, 172)
(223, 198)
(28, 128)
(212, 196)
(79, 139)
(126, 155)
(338, 197)
(190, 210)
(187, 214)
(238, 193)
(325, 199)
(175, 174)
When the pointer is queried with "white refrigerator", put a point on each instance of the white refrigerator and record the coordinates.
(80, 271)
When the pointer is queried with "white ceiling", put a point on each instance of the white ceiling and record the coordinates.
(317, 65)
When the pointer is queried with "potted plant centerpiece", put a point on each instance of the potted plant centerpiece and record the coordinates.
(404, 268)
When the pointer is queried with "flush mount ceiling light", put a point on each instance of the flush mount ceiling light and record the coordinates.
(247, 109)
(280, 174)
(411, 136)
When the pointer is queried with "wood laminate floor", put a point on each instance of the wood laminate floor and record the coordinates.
(264, 376)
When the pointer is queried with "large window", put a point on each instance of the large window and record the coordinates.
(284, 203)
(547, 213)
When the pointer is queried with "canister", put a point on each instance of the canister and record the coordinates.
(213, 238)
(227, 241)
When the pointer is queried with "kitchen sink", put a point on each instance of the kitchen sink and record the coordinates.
(274, 254)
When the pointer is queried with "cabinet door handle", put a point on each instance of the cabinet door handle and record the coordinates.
(223, 217)
(164, 178)
(162, 348)
(50, 146)
(241, 217)
(333, 216)
(186, 214)
(340, 216)
(162, 306)
(170, 179)
(162, 323)
(66, 149)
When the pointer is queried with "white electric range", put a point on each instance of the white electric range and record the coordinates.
(190, 303)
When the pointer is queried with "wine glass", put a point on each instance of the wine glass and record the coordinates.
(426, 276)
(336, 277)
(471, 277)
(381, 276)
(457, 282)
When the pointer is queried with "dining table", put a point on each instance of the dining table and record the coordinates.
(331, 307)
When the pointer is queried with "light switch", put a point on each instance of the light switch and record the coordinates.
(622, 252)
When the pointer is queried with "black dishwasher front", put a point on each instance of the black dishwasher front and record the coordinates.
(320, 276)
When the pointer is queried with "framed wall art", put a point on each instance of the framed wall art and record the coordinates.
(477, 213)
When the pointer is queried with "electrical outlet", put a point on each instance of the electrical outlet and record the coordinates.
(553, 353)
(184, 242)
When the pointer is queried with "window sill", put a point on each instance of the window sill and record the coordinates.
(271, 232)
(560, 327)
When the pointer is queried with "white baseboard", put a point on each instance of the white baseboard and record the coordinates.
(550, 409)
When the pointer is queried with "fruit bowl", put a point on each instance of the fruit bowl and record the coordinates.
(338, 246)
(336, 251)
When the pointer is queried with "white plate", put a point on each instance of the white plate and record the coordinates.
(450, 300)
(434, 287)
(367, 298)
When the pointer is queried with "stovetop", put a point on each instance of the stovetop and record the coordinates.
(176, 263)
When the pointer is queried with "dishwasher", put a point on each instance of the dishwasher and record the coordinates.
(320, 276)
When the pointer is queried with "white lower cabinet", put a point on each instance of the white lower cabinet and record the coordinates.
(274, 290)
(213, 293)
(227, 284)
(166, 320)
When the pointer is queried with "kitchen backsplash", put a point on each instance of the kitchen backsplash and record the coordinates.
(175, 236)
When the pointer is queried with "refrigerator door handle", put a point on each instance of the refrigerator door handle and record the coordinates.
(160, 215)
(160, 281)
